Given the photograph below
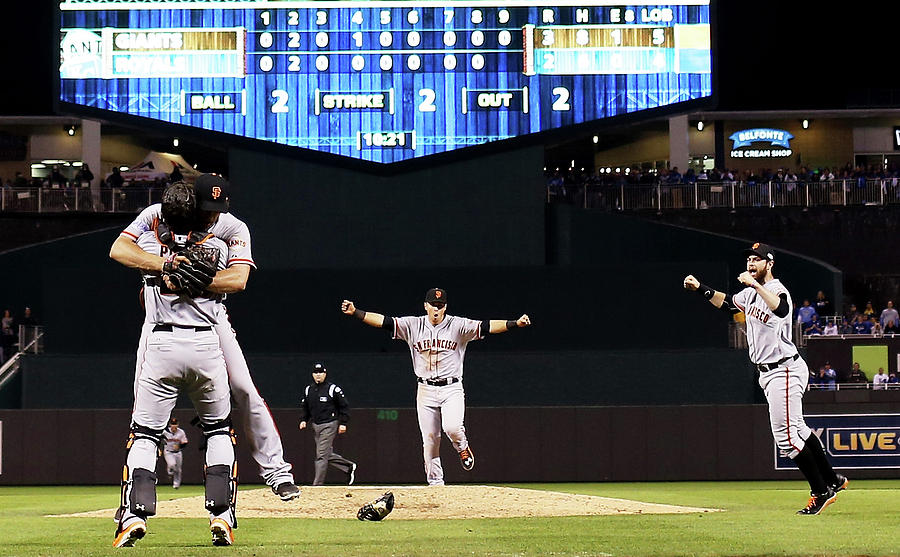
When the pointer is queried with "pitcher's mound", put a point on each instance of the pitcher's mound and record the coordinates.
(418, 502)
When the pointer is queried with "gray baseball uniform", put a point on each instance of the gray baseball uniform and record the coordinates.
(249, 406)
(172, 453)
(437, 353)
(180, 354)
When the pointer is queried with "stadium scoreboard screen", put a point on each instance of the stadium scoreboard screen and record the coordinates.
(382, 81)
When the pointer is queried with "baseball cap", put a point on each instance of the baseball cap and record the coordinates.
(212, 193)
(319, 368)
(436, 295)
(762, 251)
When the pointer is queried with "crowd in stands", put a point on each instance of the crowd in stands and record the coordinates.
(9, 331)
(819, 318)
(827, 378)
(567, 181)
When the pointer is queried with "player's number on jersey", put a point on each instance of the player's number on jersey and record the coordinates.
(561, 103)
(427, 104)
(280, 105)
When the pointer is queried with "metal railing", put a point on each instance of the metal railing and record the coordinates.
(31, 340)
(128, 199)
(852, 386)
(729, 195)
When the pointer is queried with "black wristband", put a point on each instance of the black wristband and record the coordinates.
(706, 291)
(511, 325)
(359, 314)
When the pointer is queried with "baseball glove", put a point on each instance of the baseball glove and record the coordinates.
(377, 509)
(192, 277)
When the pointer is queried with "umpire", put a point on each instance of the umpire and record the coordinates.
(325, 405)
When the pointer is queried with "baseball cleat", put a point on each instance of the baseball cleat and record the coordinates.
(286, 491)
(352, 477)
(467, 458)
(817, 503)
(221, 532)
(118, 516)
(841, 483)
(127, 536)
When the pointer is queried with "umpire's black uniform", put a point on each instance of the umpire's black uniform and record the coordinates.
(325, 408)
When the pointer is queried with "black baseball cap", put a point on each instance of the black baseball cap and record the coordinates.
(319, 368)
(213, 193)
(762, 251)
(436, 295)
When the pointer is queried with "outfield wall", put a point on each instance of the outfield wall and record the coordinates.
(515, 444)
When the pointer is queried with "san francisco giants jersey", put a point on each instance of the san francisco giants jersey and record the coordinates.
(179, 309)
(768, 336)
(174, 441)
(228, 227)
(437, 350)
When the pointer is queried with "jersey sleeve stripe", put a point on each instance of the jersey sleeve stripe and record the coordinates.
(240, 262)
(127, 233)
(478, 331)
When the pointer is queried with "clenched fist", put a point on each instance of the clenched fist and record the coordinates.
(691, 283)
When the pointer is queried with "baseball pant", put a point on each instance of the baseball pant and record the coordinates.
(784, 387)
(180, 361)
(173, 466)
(440, 409)
(324, 435)
(250, 410)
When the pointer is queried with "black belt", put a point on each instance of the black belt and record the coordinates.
(154, 281)
(439, 382)
(168, 328)
(769, 367)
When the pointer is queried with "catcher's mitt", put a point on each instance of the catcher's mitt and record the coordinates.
(192, 277)
(377, 509)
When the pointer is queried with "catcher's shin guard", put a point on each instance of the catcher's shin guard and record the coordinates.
(141, 479)
(221, 479)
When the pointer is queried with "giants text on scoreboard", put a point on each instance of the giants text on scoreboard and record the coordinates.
(385, 80)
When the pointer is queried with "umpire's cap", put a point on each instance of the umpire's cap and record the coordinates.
(319, 368)
(762, 251)
(436, 295)
(212, 193)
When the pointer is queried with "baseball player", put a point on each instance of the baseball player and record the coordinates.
(437, 344)
(181, 355)
(251, 409)
(783, 374)
(324, 405)
(175, 439)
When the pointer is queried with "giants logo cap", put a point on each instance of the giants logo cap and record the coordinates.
(319, 368)
(436, 295)
(762, 251)
(212, 193)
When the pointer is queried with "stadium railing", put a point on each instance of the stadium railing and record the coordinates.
(127, 199)
(729, 195)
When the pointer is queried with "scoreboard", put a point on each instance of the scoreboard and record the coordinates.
(385, 80)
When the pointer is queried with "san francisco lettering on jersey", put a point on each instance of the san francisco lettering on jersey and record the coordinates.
(436, 343)
(754, 311)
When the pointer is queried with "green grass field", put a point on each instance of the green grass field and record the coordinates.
(759, 519)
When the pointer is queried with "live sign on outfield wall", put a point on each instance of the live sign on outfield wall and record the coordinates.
(382, 81)
(854, 440)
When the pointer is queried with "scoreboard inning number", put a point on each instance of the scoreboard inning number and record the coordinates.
(382, 82)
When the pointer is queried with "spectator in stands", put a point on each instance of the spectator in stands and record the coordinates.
(875, 326)
(84, 176)
(891, 328)
(823, 305)
(813, 328)
(826, 175)
(829, 377)
(175, 176)
(57, 180)
(115, 179)
(857, 375)
(851, 313)
(879, 382)
(862, 326)
(817, 380)
(28, 318)
(831, 328)
(869, 311)
(8, 338)
(805, 314)
(893, 381)
(889, 314)
(846, 328)
(20, 181)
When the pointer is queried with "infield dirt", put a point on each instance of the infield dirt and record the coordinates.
(418, 502)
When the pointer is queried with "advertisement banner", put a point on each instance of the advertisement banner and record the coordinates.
(854, 441)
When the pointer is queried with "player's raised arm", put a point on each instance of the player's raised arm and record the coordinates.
(368, 317)
(126, 252)
(716, 298)
(502, 325)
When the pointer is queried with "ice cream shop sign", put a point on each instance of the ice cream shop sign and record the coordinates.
(761, 143)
